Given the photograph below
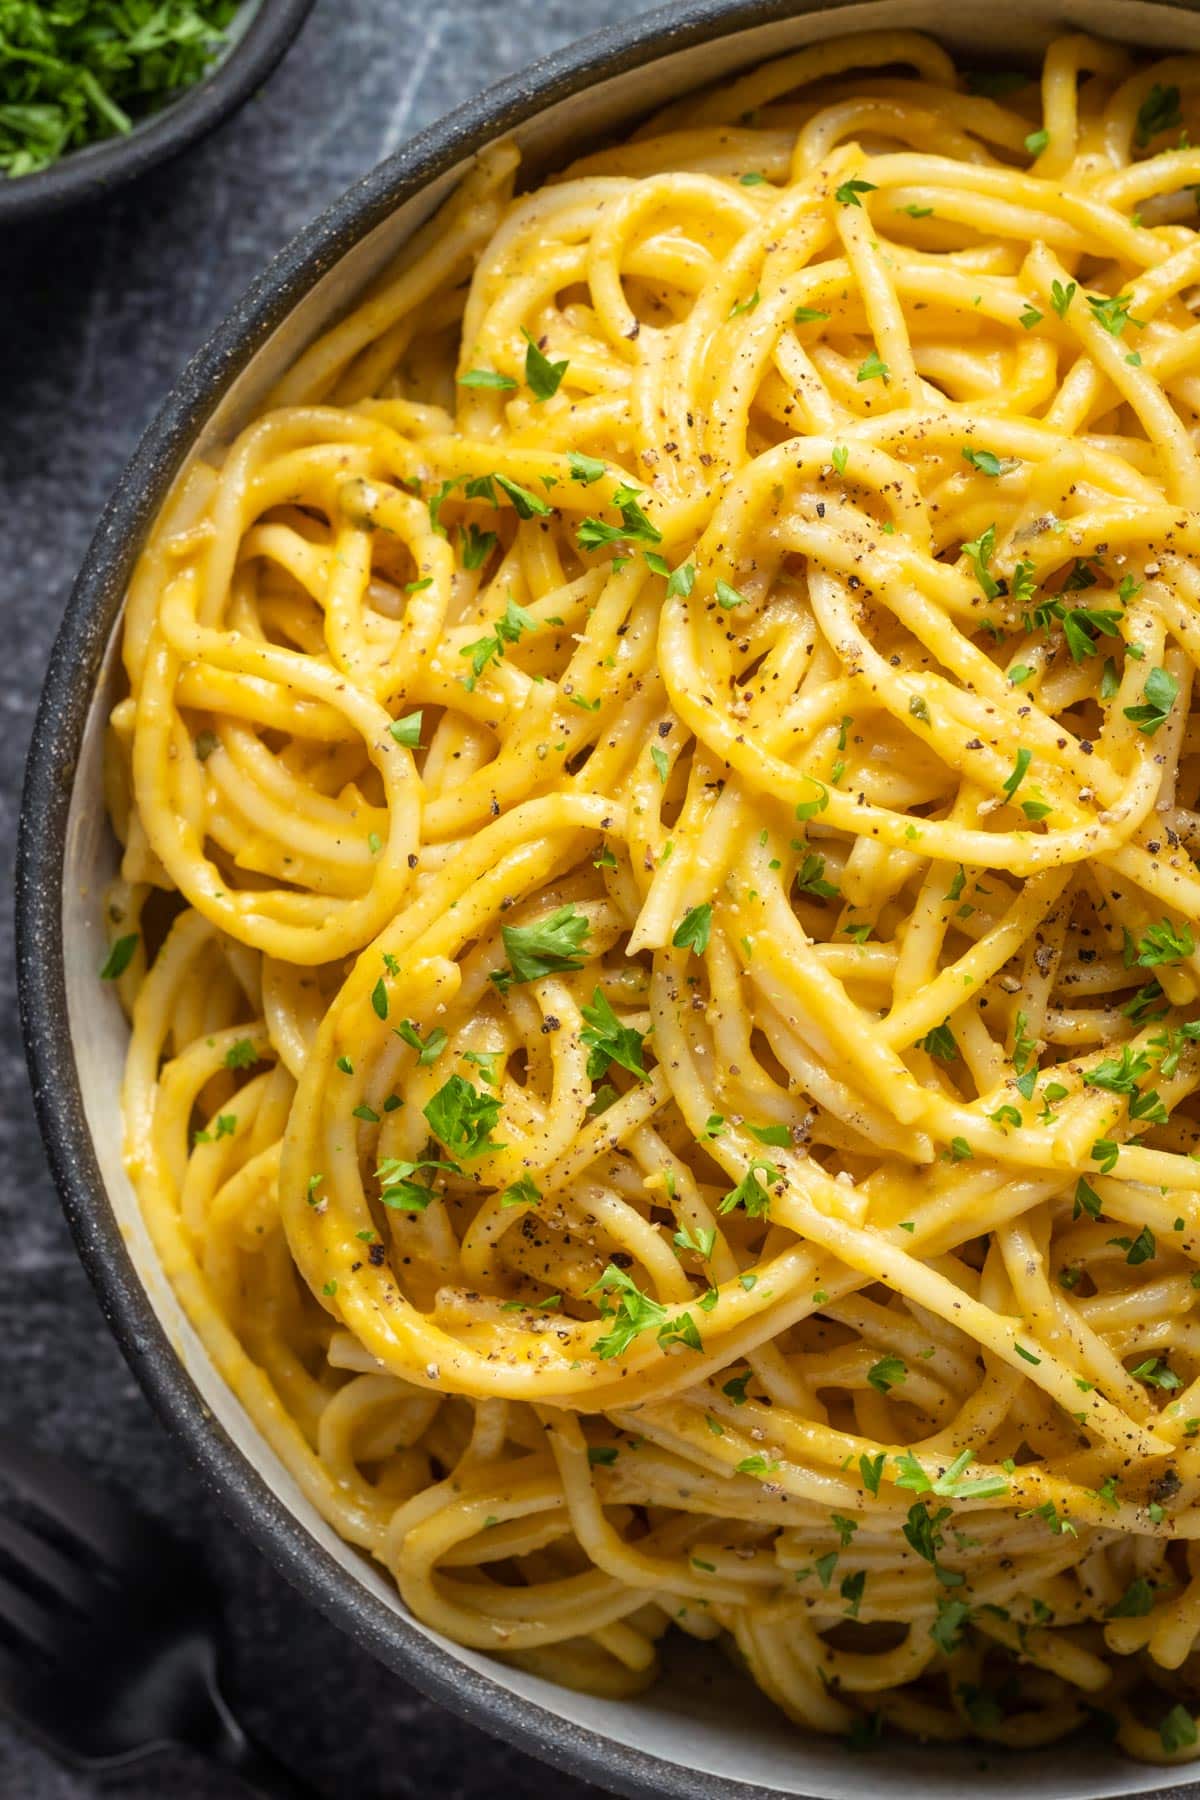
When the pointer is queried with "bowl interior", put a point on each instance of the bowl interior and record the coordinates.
(713, 1731)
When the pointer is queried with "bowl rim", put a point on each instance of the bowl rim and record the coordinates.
(72, 674)
(94, 170)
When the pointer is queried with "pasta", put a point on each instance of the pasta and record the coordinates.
(659, 787)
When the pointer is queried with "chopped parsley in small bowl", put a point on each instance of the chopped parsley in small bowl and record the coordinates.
(93, 92)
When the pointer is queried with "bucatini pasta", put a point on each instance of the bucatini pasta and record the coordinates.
(658, 786)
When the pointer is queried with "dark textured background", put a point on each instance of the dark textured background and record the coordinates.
(98, 311)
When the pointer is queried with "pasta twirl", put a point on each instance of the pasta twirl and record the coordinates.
(659, 789)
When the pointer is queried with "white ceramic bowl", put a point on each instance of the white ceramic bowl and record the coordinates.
(704, 1731)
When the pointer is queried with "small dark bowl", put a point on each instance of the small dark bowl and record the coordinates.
(92, 172)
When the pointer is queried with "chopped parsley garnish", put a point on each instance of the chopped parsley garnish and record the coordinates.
(397, 1188)
(462, 1118)
(865, 1733)
(1119, 1074)
(485, 378)
(585, 469)
(522, 1192)
(1143, 1248)
(436, 501)
(979, 553)
(808, 809)
(1155, 1373)
(550, 947)
(242, 1054)
(407, 730)
(692, 932)
(947, 1629)
(950, 1483)
(1177, 1731)
(852, 1591)
(1087, 1200)
(700, 1242)
(986, 461)
(1159, 111)
(225, 1126)
(1165, 943)
(120, 955)
(750, 1192)
(476, 546)
(874, 369)
(428, 1049)
(940, 1043)
(592, 533)
(871, 1470)
(512, 623)
(679, 581)
(682, 1330)
(887, 1373)
(1112, 313)
(634, 1312)
(1080, 624)
(488, 1063)
(922, 1529)
(1024, 1057)
(609, 1041)
(73, 73)
(1061, 297)
(1105, 1153)
(542, 377)
(810, 877)
(1019, 771)
(527, 505)
(1158, 697)
(848, 193)
(761, 1465)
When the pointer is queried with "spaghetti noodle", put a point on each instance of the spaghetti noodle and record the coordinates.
(658, 787)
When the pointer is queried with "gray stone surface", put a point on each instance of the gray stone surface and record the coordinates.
(98, 311)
